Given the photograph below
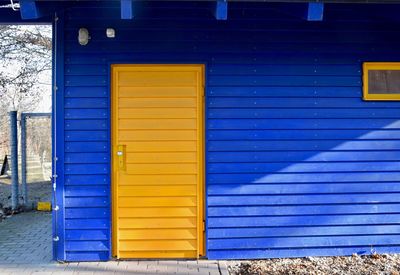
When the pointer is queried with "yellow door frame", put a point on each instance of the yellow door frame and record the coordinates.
(201, 156)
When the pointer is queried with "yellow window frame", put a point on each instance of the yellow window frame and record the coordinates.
(368, 66)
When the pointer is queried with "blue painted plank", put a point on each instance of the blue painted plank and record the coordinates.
(87, 202)
(87, 224)
(254, 102)
(85, 103)
(86, 135)
(296, 252)
(303, 242)
(276, 58)
(296, 113)
(90, 146)
(256, 232)
(92, 92)
(303, 145)
(303, 124)
(317, 134)
(86, 191)
(305, 220)
(287, 81)
(279, 92)
(292, 156)
(86, 124)
(86, 235)
(326, 47)
(86, 113)
(262, 33)
(257, 211)
(87, 180)
(303, 188)
(99, 59)
(85, 81)
(88, 213)
(84, 158)
(272, 167)
(87, 246)
(295, 70)
(80, 70)
(86, 169)
(309, 199)
(78, 256)
(304, 177)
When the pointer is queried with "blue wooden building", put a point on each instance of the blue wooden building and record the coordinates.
(224, 130)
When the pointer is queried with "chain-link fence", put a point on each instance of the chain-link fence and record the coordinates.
(4, 137)
(38, 148)
(34, 143)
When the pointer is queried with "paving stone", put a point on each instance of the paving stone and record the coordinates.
(30, 252)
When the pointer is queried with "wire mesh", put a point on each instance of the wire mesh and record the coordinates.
(4, 136)
(38, 148)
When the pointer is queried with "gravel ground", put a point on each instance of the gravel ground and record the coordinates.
(354, 265)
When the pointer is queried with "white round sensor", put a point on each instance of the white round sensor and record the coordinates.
(110, 33)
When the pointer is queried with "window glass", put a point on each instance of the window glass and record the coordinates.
(384, 82)
(381, 81)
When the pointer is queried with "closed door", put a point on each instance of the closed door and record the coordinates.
(157, 143)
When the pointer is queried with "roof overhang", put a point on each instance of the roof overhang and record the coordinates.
(270, 1)
(311, 10)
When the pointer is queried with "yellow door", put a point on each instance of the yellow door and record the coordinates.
(157, 144)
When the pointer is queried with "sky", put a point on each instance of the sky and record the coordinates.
(44, 79)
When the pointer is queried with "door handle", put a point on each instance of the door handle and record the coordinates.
(121, 155)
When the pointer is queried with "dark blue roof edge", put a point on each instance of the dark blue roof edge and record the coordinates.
(276, 1)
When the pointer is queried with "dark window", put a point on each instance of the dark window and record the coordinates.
(384, 82)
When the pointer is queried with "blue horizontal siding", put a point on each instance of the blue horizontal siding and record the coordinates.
(283, 91)
(89, 213)
(260, 113)
(304, 134)
(297, 163)
(87, 179)
(246, 178)
(92, 92)
(254, 211)
(87, 202)
(293, 252)
(87, 255)
(302, 199)
(302, 156)
(86, 124)
(248, 102)
(86, 235)
(86, 135)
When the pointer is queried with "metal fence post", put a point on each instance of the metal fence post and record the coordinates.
(23, 160)
(14, 159)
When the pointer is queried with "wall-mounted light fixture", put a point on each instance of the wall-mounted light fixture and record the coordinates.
(83, 36)
(110, 32)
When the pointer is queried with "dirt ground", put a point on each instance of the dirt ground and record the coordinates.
(354, 265)
(37, 191)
